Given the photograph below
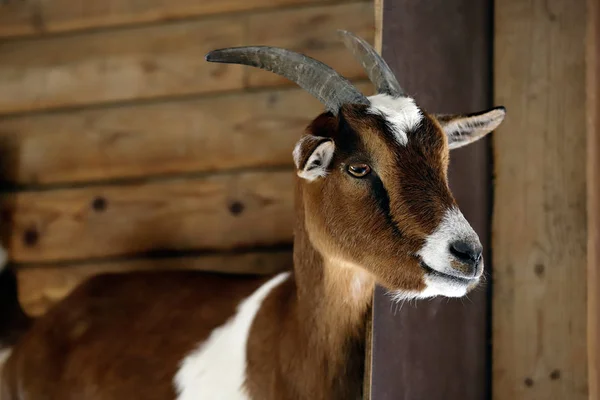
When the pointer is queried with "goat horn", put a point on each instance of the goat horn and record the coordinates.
(318, 79)
(379, 72)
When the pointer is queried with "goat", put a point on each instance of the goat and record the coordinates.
(372, 206)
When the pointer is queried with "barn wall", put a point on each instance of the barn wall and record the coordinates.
(540, 219)
(122, 149)
(593, 198)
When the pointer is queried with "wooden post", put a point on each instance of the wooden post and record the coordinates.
(440, 51)
(593, 204)
(540, 219)
(368, 382)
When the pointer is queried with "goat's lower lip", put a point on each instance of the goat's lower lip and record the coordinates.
(458, 279)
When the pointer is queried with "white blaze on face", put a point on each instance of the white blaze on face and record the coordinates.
(401, 113)
(436, 254)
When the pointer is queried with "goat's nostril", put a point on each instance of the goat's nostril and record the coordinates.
(466, 252)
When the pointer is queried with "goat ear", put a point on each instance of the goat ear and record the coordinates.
(465, 129)
(312, 156)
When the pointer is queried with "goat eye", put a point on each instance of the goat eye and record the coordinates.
(359, 170)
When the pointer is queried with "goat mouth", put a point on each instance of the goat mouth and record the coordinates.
(453, 278)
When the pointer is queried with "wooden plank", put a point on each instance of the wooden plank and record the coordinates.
(438, 349)
(117, 65)
(42, 286)
(216, 212)
(166, 60)
(176, 137)
(213, 133)
(378, 41)
(539, 240)
(368, 378)
(311, 31)
(19, 18)
(593, 199)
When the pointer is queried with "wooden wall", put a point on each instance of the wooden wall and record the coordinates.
(593, 198)
(540, 227)
(122, 149)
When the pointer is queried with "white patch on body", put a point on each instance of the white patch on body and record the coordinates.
(318, 162)
(217, 368)
(358, 285)
(361, 279)
(401, 113)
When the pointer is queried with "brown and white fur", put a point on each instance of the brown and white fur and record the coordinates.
(297, 335)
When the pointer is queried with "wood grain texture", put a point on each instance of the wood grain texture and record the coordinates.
(216, 212)
(33, 17)
(117, 65)
(42, 286)
(368, 378)
(231, 131)
(539, 234)
(213, 133)
(168, 60)
(438, 349)
(311, 31)
(378, 41)
(593, 199)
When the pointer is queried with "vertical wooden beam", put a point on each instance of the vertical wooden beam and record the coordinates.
(368, 382)
(378, 25)
(593, 204)
(441, 52)
(540, 234)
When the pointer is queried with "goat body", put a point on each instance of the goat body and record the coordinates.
(372, 205)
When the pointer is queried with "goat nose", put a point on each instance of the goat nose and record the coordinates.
(467, 252)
